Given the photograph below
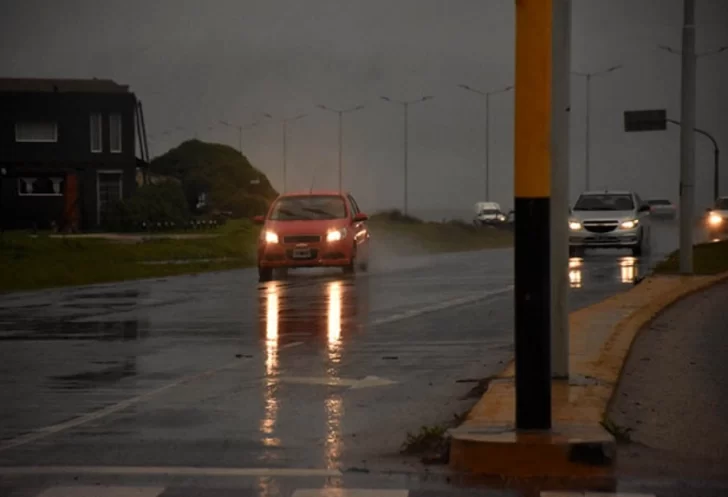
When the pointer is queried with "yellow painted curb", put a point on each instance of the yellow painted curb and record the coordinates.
(600, 339)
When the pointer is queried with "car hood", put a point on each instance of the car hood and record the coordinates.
(314, 227)
(603, 215)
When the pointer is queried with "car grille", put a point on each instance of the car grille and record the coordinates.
(302, 239)
(600, 226)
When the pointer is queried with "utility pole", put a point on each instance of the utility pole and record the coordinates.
(341, 113)
(587, 138)
(405, 105)
(687, 138)
(560, 91)
(532, 191)
(487, 95)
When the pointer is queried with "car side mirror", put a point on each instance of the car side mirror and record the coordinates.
(259, 220)
(360, 217)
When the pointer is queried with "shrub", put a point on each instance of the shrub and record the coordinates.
(163, 203)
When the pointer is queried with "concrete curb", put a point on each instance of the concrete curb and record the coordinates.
(600, 340)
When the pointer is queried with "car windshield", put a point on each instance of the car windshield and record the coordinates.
(659, 202)
(604, 202)
(308, 208)
(489, 211)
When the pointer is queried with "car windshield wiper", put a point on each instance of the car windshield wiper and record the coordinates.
(318, 211)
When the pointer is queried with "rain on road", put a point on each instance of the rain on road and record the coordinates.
(319, 371)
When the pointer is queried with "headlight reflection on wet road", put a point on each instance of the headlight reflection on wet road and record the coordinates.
(575, 272)
(268, 423)
(628, 269)
(334, 403)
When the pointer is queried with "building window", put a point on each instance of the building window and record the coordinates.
(97, 133)
(115, 133)
(36, 132)
(40, 187)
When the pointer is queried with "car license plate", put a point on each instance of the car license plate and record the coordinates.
(301, 253)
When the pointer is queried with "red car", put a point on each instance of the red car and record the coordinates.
(313, 229)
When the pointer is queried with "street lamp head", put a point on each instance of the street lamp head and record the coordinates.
(428, 97)
(267, 115)
(359, 107)
(465, 87)
(321, 106)
(386, 99)
(614, 68)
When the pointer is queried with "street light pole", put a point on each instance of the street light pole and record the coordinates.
(487, 95)
(405, 104)
(285, 145)
(340, 113)
(716, 150)
(587, 138)
(240, 129)
(687, 138)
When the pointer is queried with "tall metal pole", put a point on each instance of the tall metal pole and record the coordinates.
(487, 147)
(687, 138)
(341, 150)
(716, 173)
(587, 139)
(285, 172)
(560, 91)
(240, 139)
(406, 150)
(532, 189)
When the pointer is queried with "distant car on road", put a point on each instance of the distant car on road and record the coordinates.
(313, 229)
(609, 219)
(716, 220)
(488, 214)
(661, 207)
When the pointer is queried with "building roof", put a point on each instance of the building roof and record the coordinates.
(39, 85)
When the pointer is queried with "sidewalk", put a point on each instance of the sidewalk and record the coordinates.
(673, 396)
(600, 339)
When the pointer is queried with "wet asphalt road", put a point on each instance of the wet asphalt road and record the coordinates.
(319, 372)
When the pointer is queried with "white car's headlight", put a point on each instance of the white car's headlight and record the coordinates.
(628, 225)
(270, 237)
(715, 219)
(574, 225)
(336, 235)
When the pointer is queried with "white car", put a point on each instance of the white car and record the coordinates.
(488, 213)
(609, 219)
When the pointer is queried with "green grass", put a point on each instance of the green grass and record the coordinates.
(30, 262)
(34, 262)
(708, 258)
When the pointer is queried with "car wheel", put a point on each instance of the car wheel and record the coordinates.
(265, 274)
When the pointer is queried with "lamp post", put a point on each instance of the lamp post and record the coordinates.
(716, 150)
(341, 113)
(588, 77)
(240, 129)
(487, 95)
(284, 123)
(405, 105)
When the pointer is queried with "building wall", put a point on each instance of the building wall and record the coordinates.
(71, 152)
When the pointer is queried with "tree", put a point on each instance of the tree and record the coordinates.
(224, 174)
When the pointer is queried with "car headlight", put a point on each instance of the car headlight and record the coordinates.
(714, 219)
(628, 225)
(336, 235)
(501, 217)
(574, 225)
(270, 237)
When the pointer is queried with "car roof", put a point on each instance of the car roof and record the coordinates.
(315, 193)
(608, 192)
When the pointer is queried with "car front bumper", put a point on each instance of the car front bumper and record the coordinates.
(324, 254)
(618, 238)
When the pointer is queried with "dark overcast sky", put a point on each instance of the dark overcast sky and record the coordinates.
(195, 63)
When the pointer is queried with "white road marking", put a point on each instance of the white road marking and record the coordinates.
(106, 491)
(367, 382)
(349, 492)
(159, 470)
(290, 345)
(47, 431)
(470, 299)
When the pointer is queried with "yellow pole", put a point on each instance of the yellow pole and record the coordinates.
(532, 188)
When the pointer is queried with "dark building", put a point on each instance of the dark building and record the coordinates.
(67, 151)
